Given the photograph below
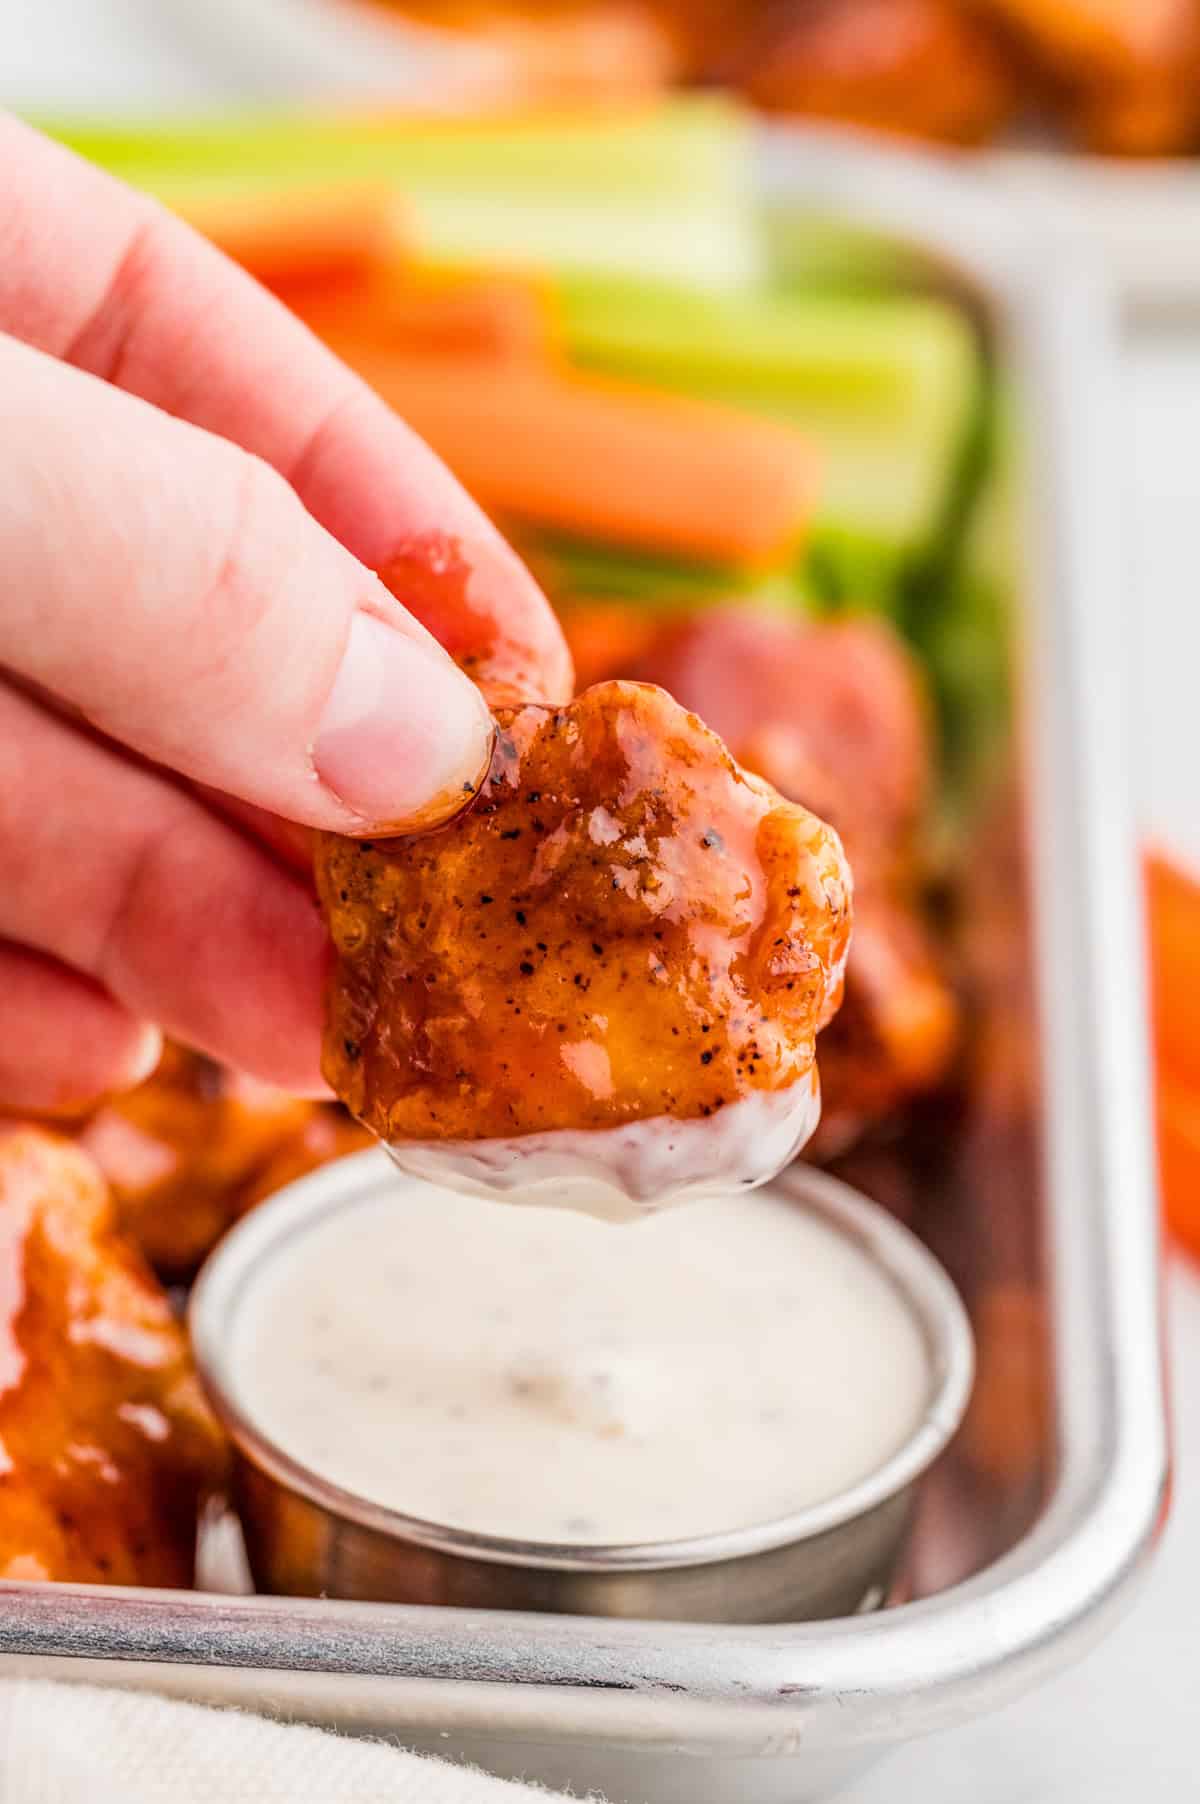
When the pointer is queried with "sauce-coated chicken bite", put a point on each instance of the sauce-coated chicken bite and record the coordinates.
(925, 68)
(1124, 74)
(108, 1446)
(833, 715)
(178, 1150)
(623, 929)
(834, 711)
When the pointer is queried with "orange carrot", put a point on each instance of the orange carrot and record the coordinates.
(606, 460)
(1178, 1113)
(1173, 910)
(396, 307)
(1173, 913)
(290, 234)
(607, 638)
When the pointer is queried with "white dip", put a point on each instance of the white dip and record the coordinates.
(620, 1173)
(539, 1375)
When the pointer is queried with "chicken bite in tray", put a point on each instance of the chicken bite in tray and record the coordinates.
(1124, 74)
(108, 1447)
(929, 68)
(177, 1149)
(197, 1145)
(604, 980)
(832, 713)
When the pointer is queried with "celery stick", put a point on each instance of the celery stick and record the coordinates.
(844, 569)
(990, 538)
(665, 191)
(574, 567)
(885, 386)
(692, 241)
(683, 145)
(874, 351)
(960, 615)
(811, 250)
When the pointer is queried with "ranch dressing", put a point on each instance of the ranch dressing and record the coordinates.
(538, 1375)
(620, 1173)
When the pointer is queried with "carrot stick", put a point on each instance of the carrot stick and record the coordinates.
(290, 234)
(607, 638)
(1173, 912)
(1173, 909)
(607, 460)
(397, 307)
(1178, 1117)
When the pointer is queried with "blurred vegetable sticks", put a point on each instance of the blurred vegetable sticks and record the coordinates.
(292, 235)
(606, 459)
(400, 307)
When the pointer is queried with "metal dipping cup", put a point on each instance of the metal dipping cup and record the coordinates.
(305, 1536)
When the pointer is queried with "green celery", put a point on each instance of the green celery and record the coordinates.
(885, 386)
(665, 190)
(844, 569)
(575, 568)
(681, 145)
(960, 617)
(808, 250)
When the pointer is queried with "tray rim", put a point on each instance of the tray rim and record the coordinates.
(772, 1690)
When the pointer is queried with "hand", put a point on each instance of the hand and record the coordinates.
(193, 650)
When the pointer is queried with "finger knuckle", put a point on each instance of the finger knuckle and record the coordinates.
(252, 556)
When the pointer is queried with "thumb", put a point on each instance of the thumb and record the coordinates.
(173, 590)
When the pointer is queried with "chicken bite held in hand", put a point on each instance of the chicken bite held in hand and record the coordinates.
(603, 982)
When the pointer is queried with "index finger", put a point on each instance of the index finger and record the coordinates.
(103, 277)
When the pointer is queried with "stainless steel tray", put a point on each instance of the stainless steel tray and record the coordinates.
(1011, 1575)
(1138, 219)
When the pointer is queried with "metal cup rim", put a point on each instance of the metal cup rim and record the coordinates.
(904, 1259)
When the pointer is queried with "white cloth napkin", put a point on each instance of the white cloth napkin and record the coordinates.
(80, 1744)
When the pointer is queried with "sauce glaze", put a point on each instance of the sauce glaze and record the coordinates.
(622, 927)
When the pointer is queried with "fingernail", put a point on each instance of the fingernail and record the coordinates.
(144, 1056)
(404, 736)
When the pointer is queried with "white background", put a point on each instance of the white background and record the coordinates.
(1126, 1722)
